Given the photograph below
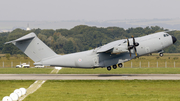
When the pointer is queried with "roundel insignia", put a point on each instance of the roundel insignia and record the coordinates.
(79, 60)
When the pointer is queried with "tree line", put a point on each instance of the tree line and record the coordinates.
(81, 38)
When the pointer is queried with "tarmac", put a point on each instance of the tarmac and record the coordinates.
(89, 76)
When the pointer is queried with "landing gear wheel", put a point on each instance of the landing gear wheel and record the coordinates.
(120, 65)
(109, 68)
(160, 54)
(114, 66)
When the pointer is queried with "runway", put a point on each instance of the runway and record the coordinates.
(89, 76)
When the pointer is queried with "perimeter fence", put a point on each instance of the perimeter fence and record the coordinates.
(148, 64)
(130, 64)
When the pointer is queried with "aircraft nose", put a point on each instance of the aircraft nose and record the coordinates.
(174, 39)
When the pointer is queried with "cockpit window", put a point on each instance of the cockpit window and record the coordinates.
(165, 35)
(124, 42)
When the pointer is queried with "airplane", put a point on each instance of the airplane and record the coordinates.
(109, 55)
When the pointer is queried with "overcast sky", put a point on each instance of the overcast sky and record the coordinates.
(57, 10)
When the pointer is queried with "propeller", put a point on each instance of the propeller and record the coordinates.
(135, 44)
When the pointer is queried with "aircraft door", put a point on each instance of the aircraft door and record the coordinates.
(96, 61)
(147, 49)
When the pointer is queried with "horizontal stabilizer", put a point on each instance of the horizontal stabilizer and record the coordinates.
(26, 37)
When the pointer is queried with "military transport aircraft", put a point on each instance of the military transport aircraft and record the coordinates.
(110, 55)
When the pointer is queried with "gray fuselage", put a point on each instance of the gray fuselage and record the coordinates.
(92, 58)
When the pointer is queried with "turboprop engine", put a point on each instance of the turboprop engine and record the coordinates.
(126, 48)
(119, 49)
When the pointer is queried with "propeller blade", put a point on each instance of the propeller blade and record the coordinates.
(129, 48)
(134, 43)
(130, 52)
(135, 51)
(128, 42)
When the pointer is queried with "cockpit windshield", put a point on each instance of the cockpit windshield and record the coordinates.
(165, 35)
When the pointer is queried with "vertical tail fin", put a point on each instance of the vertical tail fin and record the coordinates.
(33, 47)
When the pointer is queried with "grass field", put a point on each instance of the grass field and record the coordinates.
(91, 71)
(8, 87)
(121, 71)
(25, 70)
(141, 65)
(104, 90)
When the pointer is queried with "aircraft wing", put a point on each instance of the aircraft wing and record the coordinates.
(110, 46)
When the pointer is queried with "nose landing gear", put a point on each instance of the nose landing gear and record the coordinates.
(160, 54)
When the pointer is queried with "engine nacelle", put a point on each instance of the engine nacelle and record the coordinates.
(119, 49)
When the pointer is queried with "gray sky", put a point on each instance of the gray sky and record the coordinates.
(57, 10)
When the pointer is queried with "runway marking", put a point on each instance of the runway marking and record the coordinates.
(37, 84)
(56, 70)
(52, 72)
(32, 88)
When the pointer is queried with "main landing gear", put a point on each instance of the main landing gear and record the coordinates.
(109, 68)
(120, 65)
(114, 66)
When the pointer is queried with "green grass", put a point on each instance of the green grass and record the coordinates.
(168, 59)
(8, 87)
(121, 71)
(91, 71)
(104, 90)
(25, 70)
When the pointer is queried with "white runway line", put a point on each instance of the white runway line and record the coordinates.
(52, 71)
(37, 84)
(32, 88)
(56, 70)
